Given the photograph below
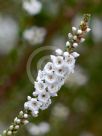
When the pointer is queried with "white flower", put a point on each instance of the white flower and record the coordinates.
(70, 60)
(49, 68)
(50, 79)
(33, 129)
(44, 127)
(60, 82)
(45, 105)
(75, 45)
(34, 35)
(65, 54)
(74, 29)
(33, 7)
(40, 86)
(8, 34)
(40, 76)
(61, 71)
(60, 111)
(75, 37)
(75, 54)
(53, 89)
(59, 52)
(79, 31)
(38, 129)
(88, 30)
(32, 105)
(70, 36)
(43, 97)
(58, 62)
(82, 40)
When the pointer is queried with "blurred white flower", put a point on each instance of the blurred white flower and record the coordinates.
(33, 7)
(35, 35)
(96, 29)
(44, 127)
(86, 134)
(60, 111)
(8, 34)
(39, 129)
(2, 127)
(79, 78)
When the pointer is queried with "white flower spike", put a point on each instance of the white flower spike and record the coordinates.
(51, 78)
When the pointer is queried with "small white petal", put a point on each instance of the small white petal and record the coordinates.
(28, 98)
(75, 37)
(82, 40)
(58, 62)
(43, 97)
(40, 76)
(70, 36)
(25, 122)
(25, 115)
(39, 86)
(50, 79)
(49, 68)
(79, 31)
(17, 127)
(75, 54)
(67, 44)
(59, 52)
(53, 57)
(66, 54)
(88, 29)
(74, 29)
(75, 45)
(9, 133)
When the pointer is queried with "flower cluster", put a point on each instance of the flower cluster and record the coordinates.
(34, 35)
(50, 80)
(33, 7)
(53, 76)
(77, 36)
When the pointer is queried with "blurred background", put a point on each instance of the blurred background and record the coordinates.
(25, 26)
